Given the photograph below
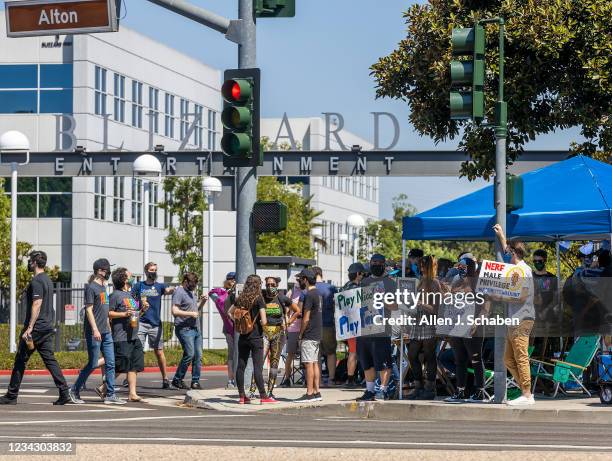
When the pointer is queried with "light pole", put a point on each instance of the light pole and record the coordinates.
(14, 142)
(146, 165)
(356, 221)
(343, 239)
(316, 233)
(211, 187)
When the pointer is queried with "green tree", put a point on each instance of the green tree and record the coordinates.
(557, 75)
(184, 240)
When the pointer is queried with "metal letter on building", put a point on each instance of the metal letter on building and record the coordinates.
(27, 18)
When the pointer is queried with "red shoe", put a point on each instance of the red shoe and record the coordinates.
(268, 400)
(244, 400)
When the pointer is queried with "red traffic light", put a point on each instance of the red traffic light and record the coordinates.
(237, 90)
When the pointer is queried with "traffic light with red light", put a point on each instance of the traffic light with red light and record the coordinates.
(240, 118)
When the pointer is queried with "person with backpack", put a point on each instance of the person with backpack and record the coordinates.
(249, 314)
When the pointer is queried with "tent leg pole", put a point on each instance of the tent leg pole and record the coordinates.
(401, 364)
(403, 258)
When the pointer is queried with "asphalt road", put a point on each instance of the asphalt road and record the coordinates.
(163, 421)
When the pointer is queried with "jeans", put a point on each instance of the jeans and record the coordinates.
(428, 346)
(93, 353)
(468, 351)
(191, 342)
(254, 347)
(44, 343)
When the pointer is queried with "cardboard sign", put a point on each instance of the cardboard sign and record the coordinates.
(505, 280)
(369, 312)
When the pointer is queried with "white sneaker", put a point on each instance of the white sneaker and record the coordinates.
(522, 400)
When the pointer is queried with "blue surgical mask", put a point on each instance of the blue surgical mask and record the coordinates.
(507, 258)
(463, 273)
(415, 269)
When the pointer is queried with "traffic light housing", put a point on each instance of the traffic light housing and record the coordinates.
(467, 76)
(514, 193)
(240, 118)
(269, 216)
(274, 8)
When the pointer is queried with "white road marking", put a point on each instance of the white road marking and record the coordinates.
(28, 391)
(349, 420)
(110, 420)
(257, 442)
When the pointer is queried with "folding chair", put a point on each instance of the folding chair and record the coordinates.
(562, 372)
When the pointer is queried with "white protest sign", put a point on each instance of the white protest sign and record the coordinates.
(505, 280)
(368, 311)
(347, 314)
(406, 286)
(455, 316)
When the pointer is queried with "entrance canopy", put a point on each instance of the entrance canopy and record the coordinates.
(569, 200)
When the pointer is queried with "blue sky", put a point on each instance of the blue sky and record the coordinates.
(319, 62)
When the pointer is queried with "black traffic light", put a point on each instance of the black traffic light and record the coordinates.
(274, 8)
(269, 216)
(468, 74)
(240, 118)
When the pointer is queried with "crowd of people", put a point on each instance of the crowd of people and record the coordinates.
(261, 322)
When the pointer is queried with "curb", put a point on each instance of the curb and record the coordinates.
(76, 371)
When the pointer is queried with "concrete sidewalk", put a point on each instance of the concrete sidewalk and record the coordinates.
(340, 403)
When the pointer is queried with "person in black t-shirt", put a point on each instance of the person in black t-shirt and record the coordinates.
(38, 333)
(252, 343)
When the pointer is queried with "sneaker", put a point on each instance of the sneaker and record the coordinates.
(6, 400)
(101, 391)
(231, 384)
(268, 399)
(367, 397)
(306, 398)
(522, 400)
(125, 383)
(285, 383)
(165, 384)
(457, 397)
(63, 399)
(318, 397)
(179, 384)
(196, 385)
(114, 400)
(379, 395)
(478, 397)
(244, 400)
(75, 397)
(252, 395)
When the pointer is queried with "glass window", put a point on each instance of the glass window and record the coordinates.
(154, 109)
(199, 130)
(18, 102)
(23, 184)
(100, 93)
(212, 129)
(55, 184)
(169, 116)
(19, 76)
(26, 206)
(119, 101)
(56, 75)
(136, 104)
(118, 199)
(184, 118)
(136, 201)
(56, 102)
(100, 197)
(55, 206)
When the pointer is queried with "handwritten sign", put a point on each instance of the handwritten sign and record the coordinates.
(347, 314)
(369, 312)
(505, 280)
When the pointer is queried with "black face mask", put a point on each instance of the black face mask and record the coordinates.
(302, 285)
(107, 275)
(192, 286)
(152, 276)
(377, 271)
(31, 265)
(539, 265)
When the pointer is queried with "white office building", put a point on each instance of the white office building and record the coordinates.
(128, 92)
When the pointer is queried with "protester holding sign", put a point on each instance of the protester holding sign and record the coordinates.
(356, 271)
(521, 308)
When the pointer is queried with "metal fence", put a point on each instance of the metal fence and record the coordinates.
(69, 306)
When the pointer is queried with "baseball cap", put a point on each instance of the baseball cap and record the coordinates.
(230, 276)
(355, 268)
(306, 273)
(415, 253)
(585, 250)
(378, 257)
(467, 256)
(101, 264)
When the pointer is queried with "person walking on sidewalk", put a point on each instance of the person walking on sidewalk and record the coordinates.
(38, 333)
(98, 336)
(149, 293)
(250, 308)
(221, 298)
(124, 314)
(310, 335)
(186, 307)
(517, 340)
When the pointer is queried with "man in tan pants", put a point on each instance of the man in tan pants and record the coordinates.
(516, 356)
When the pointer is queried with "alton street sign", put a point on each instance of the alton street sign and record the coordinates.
(26, 18)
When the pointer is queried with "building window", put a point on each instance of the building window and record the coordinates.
(43, 197)
(33, 88)
(119, 84)
(118, 199)
(199, 125)
(167, 215)
(100, 197)
(184, 118)
(136, 201)
(137, 104)
(169, 116)
(212, 129)
(100, 92)
(153, 204)
(154, 109)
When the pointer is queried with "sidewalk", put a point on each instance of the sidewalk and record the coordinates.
(339, 403)
(75, 371)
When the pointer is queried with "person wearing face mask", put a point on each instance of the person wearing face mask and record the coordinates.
(414, 263)
(274, 332)
(38, 333)
(186, 308)
(222, 299)
(522, 308)
(98, 337)
(375, 351)
(356, 273)
(149, 293)
(545, 286)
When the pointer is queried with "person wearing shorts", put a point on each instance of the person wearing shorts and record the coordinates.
(356, 272)
(328, 332)
(129, 355)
